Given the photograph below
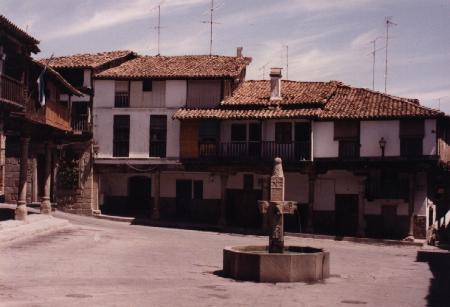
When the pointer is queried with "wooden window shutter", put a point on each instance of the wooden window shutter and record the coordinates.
(189, 139)
(346, 130)
(412, 128)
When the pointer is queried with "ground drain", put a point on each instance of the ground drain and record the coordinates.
(353, 302)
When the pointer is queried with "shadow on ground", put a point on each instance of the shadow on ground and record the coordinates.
(439, 262)
(6, 214)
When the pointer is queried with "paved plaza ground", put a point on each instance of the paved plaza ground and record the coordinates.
(105, 263)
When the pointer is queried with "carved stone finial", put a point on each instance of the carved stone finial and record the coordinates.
(277, 168)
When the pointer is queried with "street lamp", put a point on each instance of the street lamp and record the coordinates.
(382, 143)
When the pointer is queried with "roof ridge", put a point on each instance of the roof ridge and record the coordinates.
(85, 54)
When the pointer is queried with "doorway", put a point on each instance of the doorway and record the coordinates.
(389, 214)
(183, 198)
(139, 195)
(346, 213)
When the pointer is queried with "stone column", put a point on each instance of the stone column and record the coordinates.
(311, 195)
(21, 210)
(265, 195)
(361, 209)
(412, 186)
(156, 200)
(34, 182)
(46, 206)
(223, 201)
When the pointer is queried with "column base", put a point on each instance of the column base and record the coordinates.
(21, 211)
(409, 238)
(46, 206)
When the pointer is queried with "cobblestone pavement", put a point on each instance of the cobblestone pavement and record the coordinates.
(105, 263)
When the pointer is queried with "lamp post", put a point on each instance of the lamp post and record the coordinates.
(382, 142)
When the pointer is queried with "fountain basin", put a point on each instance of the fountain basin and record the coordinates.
(295, 264)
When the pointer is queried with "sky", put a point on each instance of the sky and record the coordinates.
(326, 39)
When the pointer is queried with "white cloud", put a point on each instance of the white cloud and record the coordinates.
(115, 14)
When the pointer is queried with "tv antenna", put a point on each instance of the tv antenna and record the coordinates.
(389, 23)
(374, 52)
(287, 62)
(263, 69)
(211, 22)
(158, 27)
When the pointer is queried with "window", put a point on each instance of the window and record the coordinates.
(411, 137)
(254, 138)
(238, 132)
(147, 86)
(198, 189)
(158, 135)
(387, 184)
(208, 136)
(121, 136)
(283, 133)
(203, 93)
(122, 97)
(347, 133)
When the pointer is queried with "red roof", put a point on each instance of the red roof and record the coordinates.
(18, 33)
(320, 100)
(87, 60)
(257, 92)
(171, 67)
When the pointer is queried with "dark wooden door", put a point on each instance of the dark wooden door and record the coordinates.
(346, 214)
(139, 195)
(302, 140)
(389, 214)
(183, 197)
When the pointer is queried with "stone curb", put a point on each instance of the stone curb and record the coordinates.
(355, 239)
(13, 231)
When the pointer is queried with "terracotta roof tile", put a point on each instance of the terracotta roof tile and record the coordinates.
(360, 103)
(7, 25)
(188, 66)
(87, 60)
(59, 78)
(257, 92)
(250, 101)
(244, 114)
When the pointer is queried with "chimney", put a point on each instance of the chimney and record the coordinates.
(275, 83)
(239, 51)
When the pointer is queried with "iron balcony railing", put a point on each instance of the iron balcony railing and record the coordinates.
(80, 123)
(263, 150)
(121, 100)
(11, 90)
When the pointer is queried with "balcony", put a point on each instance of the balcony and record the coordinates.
(264, 150)
(349, 150)
(80, 124)
(11, 90)
(121, 100)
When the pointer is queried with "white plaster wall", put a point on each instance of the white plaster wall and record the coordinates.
(324, 145)
(87, 78)
(158, 95)
(103, 132)
(136, 94)
(175, 93)
(139, 134)
(211, 183)
(429, 141)
(104, 93)
(139, 131)
(373, 131)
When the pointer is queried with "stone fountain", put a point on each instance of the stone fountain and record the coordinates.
(276, 262)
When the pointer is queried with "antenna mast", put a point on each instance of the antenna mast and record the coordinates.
(159, 27)
(287, 62)
(211, 22)
(388, 24)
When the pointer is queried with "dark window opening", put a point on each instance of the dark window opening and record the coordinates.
(238, 132)
(122, 94)
(387, 185)
(158, 135)
(283, 133)
(198, 189)
(121, 136)
(208, 136)
(411, 137)
(147, 86)
(347, 133)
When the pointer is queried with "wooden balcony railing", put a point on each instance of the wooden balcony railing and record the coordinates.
(349, 149)
(264, 150)
(80, 123)
(11, 90)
